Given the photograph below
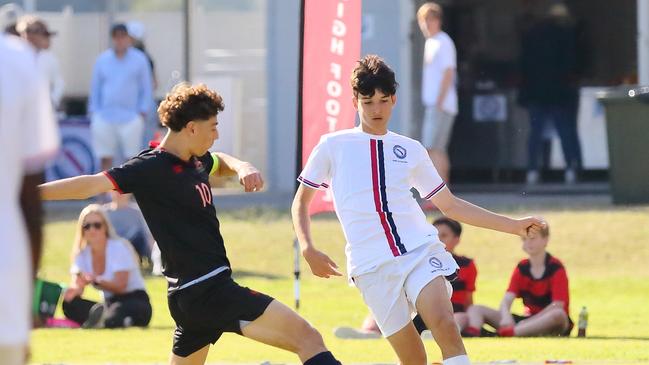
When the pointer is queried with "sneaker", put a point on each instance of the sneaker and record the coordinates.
(95, 317)
(353, 333)
(532, 177)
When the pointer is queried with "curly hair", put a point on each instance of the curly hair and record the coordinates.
(186, 102)
(372, 73)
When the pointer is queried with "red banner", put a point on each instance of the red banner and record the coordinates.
(332, 45)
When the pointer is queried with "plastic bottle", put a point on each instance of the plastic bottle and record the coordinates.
(583, 322)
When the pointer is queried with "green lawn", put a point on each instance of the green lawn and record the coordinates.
(606, 253)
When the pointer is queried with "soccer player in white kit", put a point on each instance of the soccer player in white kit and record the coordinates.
(394, 256)
(28, 139)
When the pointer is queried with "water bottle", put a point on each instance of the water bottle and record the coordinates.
(583, 322)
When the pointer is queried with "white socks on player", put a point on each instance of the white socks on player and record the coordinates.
(457, 360)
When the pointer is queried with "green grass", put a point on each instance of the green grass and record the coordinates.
(606, 253)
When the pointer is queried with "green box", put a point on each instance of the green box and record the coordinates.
(46, 298)
(627, 124)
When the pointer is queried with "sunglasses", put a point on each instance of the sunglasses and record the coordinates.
(95, 225)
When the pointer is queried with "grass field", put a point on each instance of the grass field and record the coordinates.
(606, 253)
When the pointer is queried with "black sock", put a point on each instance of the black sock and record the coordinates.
(419, 324)
(323, 358)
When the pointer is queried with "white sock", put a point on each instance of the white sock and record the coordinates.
(457, 360)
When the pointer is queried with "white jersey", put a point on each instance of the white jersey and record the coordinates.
(439, 55)
(119, 257)
(28, 138)
(371, 177)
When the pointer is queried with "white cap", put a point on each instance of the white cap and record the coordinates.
(9, 13)
(135, 29)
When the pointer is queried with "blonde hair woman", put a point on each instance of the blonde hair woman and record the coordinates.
(109, 263)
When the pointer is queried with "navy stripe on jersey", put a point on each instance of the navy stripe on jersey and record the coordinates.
(438, 188)
(384, 199)
(377, 199)
(311, 183)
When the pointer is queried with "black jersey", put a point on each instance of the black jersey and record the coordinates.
(176, 200)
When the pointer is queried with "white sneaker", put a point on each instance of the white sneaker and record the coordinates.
(96, 317)
(532, 177)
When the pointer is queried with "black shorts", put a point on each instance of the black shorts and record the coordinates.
(565, 333)
(204, 311)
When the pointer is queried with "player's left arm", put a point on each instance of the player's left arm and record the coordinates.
(463, 211)
(226, 165)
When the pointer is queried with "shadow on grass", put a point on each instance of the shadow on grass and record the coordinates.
(240, 274)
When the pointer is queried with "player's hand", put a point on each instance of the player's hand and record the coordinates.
(507, 321)
(530, 227)
(321, 265)
(250, 178)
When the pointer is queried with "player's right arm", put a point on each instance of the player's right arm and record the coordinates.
(321, 265)
(78, 187)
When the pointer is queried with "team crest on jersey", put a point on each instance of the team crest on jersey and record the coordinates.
(400, 152)
(435, 262)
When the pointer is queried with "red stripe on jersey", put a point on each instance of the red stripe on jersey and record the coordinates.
(377, 199)
(115, 186)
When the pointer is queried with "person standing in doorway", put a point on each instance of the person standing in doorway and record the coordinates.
(438, 91)
(549, 88)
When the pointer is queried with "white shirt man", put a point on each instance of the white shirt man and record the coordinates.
(28, 139)
(438, 91)
(439, 56)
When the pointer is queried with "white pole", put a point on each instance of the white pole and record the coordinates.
(643, 42)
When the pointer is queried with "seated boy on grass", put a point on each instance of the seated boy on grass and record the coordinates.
(541, 281)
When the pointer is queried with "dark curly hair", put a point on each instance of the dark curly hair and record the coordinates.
(186, 102)
(372, 73)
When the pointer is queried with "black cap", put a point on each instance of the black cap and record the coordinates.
(118, 27)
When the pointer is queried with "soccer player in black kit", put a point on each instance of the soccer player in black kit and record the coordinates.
(171, 183)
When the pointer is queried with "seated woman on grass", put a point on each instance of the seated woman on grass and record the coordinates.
(109, 263)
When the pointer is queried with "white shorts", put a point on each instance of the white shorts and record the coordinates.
(436, 128)
(107, 137)
(392, 290)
